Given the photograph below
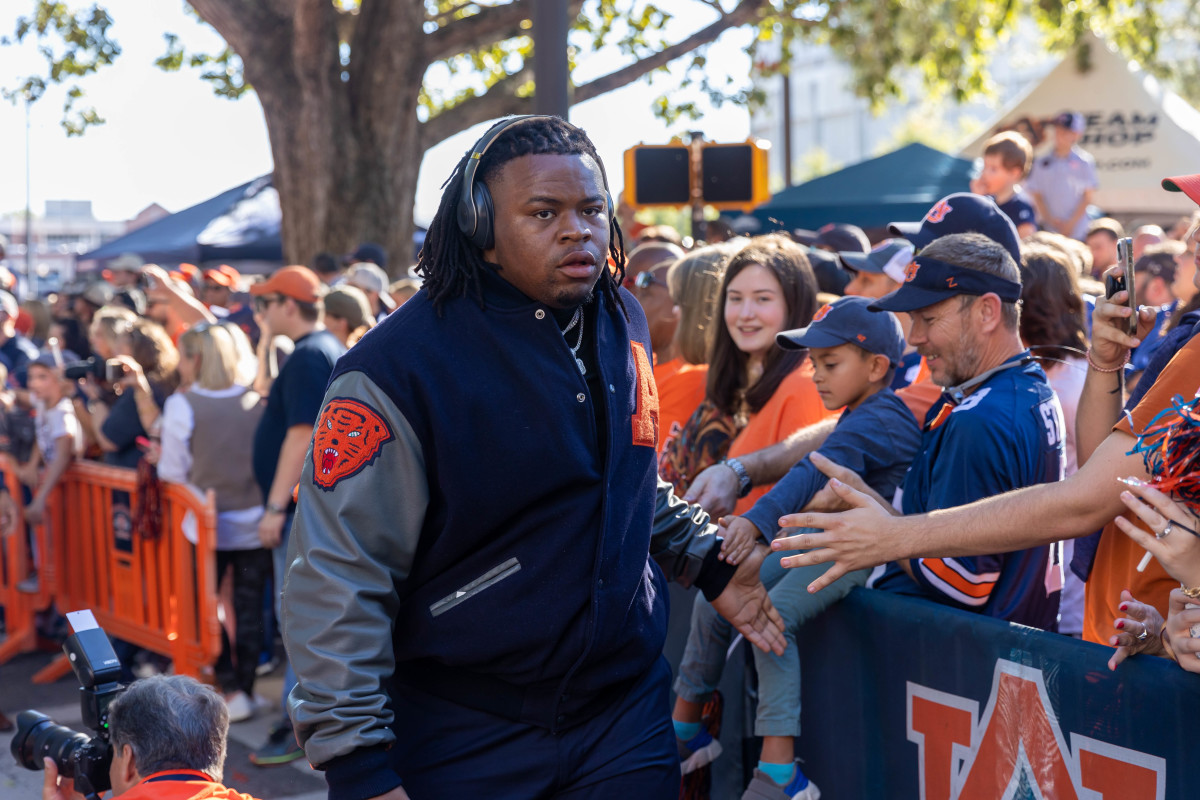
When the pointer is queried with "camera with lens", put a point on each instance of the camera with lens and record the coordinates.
(109, 370)
(85, 759)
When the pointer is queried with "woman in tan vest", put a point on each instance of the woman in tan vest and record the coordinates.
(207, 432)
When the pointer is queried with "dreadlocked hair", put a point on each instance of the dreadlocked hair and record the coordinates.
(451, 265)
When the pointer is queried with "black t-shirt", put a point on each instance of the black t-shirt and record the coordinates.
(123, 426)
(1019, 210)
(295, 399)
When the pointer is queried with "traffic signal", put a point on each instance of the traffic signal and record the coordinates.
(734, 175)
(658, 175)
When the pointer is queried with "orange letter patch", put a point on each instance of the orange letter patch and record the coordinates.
(645, 414)
(348, 438)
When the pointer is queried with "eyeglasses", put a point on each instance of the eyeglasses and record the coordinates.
(263, 302)
(212, 287)
(645, 280)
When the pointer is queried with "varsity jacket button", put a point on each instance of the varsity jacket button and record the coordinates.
(581, 397)
(612, 389)
(540, 314)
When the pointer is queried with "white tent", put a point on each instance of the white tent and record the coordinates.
(1137, 130)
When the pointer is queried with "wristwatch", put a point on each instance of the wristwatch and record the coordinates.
(274, 509)
(744, 482)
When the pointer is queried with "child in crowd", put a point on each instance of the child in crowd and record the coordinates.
(59, 437)
(854, 352)
(1006, 160)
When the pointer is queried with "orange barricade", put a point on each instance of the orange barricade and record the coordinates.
(158, 593)
(16, 558)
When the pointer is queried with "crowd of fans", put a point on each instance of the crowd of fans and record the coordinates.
(212, 378)
(779, 360)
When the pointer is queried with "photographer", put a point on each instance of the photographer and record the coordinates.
(168, 739)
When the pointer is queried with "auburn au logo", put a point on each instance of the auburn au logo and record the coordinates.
(645, 412)
(964, 755)
(938, 212)
(347, 439)
(910, 272)
(822, 312)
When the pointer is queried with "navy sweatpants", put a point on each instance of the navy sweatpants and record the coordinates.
(444, 750)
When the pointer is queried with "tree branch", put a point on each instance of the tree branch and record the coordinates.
(500, 100)
(491, 24)
(745, 11)
(236, 21)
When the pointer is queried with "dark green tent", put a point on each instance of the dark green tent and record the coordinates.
(897, 187)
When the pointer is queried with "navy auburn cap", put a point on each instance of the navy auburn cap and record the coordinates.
(928, 281)
(849, 321)
(962, 212)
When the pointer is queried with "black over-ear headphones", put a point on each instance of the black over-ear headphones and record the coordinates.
(476, 215)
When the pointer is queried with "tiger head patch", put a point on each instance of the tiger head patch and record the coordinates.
(347, 440)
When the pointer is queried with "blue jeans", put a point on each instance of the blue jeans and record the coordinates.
(778, 676)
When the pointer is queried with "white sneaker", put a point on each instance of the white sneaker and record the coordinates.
(240, 707)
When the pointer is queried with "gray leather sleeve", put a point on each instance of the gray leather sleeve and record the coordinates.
(683, 542)
(349, 549)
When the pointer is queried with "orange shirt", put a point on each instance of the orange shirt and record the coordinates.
(1117, 556)
(794, 405)
(680, 390)
(921, 394)
(181, 784)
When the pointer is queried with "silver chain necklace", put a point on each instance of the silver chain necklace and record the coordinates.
(576, 320)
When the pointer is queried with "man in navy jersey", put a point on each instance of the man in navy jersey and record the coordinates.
(997, 427)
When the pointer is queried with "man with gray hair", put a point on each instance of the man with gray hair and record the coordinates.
(168, 740)
(997, 427)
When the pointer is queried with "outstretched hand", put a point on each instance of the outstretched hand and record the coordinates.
(748, 608)
(861, 537)
(715, 490)
(1137, 632)
(826, 499)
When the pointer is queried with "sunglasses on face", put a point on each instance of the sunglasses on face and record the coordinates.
(645, 280)
(264, 302)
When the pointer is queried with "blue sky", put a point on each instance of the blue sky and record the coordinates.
(169, 140)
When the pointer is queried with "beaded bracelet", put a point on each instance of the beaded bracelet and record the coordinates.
(1099, 368)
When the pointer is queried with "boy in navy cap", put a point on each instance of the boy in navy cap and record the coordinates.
(854, 353)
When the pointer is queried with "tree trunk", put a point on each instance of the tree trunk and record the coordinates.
(345, 138)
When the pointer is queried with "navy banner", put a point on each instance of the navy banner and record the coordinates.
(907, 699)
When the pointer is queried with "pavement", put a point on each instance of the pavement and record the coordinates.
(60, 701)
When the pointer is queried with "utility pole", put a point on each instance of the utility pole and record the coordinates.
(696, 149)
(550, 66)
(787, 130)
(30, 274)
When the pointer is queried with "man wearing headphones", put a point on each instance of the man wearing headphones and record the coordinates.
(471, 606)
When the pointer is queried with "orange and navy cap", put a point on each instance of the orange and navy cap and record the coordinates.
(297, 282)
(849, 320)
(928, 281)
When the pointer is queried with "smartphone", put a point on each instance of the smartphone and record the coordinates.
(1114, 284)
(114, 370)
